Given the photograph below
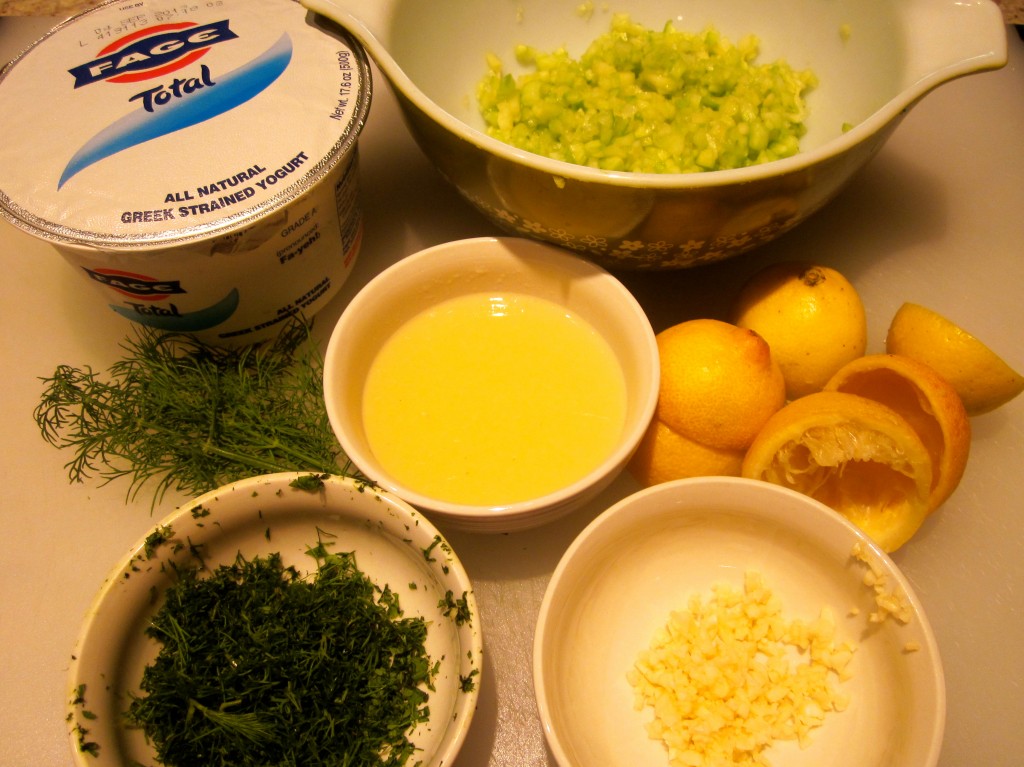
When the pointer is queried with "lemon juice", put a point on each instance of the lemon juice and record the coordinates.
(493, 399)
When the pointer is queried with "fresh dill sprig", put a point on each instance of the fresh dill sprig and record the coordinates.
(189, 416)
(260, 665)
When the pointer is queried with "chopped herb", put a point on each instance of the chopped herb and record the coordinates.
(191, 417)
(156, 539)
(456, 608)
(320, 551)
(85, 745)
(260, 665)
(310, 483)
(196, 551)
(466, 683)
(438, 541)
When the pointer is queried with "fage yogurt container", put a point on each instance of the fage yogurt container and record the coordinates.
(195, 161)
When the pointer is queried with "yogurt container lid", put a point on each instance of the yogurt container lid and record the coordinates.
(153, 122)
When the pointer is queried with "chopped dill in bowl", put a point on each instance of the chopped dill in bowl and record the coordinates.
(645, 101)
(259, 665)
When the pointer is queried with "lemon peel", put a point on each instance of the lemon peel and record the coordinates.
(929, 404)
(982, 379)
(665, 455)
(811, 316)
(855, 455)
(719, 383)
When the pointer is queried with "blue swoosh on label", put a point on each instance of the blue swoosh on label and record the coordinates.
(189, 322)
(230, 91)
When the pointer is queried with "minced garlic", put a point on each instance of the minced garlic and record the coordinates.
(728, 677)
(889, 603)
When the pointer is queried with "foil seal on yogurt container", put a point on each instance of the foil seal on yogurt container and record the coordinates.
(195, 162)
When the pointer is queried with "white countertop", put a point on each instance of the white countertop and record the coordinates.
(937, 218)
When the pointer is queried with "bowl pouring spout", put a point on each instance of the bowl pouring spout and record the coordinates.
(952, 40)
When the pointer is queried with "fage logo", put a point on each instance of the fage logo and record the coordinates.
(187, 101)
(144, 292)
(138, 286)
(152, 52)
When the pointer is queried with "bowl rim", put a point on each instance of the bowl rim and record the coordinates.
(499, 248)
(548, 609)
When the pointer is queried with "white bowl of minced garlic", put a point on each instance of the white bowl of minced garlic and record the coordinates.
(725, 620)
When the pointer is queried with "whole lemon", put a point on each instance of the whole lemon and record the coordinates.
(810, 315)
(719, 383)
(664, 455)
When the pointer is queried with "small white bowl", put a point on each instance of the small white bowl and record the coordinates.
(514, 265)
(394, 545)
(644, 557)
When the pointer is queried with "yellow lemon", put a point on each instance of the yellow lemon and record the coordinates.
(981, 378)
(664, 455)
(810, 315)
(853, 454)
(928, 403)
(719, 383)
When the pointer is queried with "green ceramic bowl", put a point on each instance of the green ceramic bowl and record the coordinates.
(874, 60)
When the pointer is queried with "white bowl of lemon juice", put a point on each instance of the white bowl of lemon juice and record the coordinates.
(495, 383)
